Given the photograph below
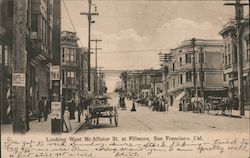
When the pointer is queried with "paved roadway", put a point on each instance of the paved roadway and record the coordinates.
(146, 120)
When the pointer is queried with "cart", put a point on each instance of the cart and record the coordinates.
(101, 109)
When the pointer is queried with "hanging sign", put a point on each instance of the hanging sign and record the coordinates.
(18, 79)
(56, 110)
(54, 73)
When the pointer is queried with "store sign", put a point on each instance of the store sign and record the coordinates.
(18, 79)
(56, 110)
(54, 73)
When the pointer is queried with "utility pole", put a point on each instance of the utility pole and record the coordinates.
(239, 11)
(201, 77)
(97, 85)
(89, 15)
(194, 67)
(55, 75)
(96, 49)
(19, 67)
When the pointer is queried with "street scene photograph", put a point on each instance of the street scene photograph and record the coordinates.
(125, 71)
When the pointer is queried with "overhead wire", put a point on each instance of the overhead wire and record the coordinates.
(70, 19)
(156, 0)
(132, 51)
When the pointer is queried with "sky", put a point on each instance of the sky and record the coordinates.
(133, 32)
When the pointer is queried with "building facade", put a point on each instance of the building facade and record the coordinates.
(178, 72)
(230, 61)
(73, 67)
(145, 83)
(39, 47)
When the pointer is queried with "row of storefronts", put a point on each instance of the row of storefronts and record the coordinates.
(197, 68)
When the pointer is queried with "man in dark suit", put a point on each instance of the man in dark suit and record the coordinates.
(46, 108)
(41, 108)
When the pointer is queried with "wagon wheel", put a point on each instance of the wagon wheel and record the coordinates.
(110, 116)
(116, 116)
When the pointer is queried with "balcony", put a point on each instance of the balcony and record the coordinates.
(230, 68)
(39, 51)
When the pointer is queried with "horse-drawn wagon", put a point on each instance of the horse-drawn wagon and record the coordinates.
(101, 109)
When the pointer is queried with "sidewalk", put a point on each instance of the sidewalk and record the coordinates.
(43, 127)
(235, 113)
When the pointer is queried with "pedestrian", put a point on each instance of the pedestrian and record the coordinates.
(133, 107)
(80, 109)
(64, 104)
(46, 108)
(41, 109)
(180, 106)
(72, 108)
(167, 105)
(48, 105)
(27, 117)
(66, 117)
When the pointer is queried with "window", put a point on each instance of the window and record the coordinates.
(223, 57)
(181, 80)
(68, 54)
(201, 57)
(188, 58)
(173, 82)
(180, 61)
(189, 76)
(224, 77)
(63, 77)
(71, 55)
(34, 23)
(70, 77)
(202, 77)
(247, 48)
(228, 54)
(173, 67)
(6, 56)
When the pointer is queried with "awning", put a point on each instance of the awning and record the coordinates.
(178, 98)
(161, 94)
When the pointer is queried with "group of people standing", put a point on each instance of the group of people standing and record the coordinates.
(44, 108)
(158, 104)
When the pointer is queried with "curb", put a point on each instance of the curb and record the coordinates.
(78, 127)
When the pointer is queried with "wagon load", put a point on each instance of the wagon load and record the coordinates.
(101, 108)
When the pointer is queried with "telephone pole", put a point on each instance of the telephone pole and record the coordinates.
(194, 67)
(201, 76)
(97, 84)
(239, 11)
(89, 14)
(56, 95)
(96, 49)
(19, 67)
